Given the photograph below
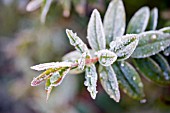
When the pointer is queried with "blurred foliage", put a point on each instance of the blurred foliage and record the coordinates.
(24, 41)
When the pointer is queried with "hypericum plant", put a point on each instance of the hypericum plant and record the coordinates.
(111, 49)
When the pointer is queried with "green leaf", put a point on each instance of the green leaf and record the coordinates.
(114, 20)
(124, 46)
(129, 80)
(95, 32)
(91, 80)
(151, 43)
(152, 71)
(76, 41)
(106, 57)
(109, 82)
(165, 30)
(153, 20)
(139, 21)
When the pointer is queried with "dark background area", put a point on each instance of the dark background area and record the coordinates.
(24, 42)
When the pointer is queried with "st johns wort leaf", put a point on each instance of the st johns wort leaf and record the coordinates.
(91, 80)
(139, 21)
(76, 41)
(109, 82)
(114, 20)
(129, 80)
(153, 69)
(153, 20)
(106, 57)
(33, 5)
(151, 43)
(95, 32)
(124, 46)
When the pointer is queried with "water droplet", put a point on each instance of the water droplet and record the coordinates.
(140, 84)
(122, 64)
(153, 37)
(134, 78)
(143, 101)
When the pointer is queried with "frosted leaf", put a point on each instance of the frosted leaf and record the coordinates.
(139, 21)
(167, 51)
(45, 66)
(48, 88)
(91, 80)
(106, 57)
(109, 82)
(95, 32)
(33, 5)
(45, 75)
(154, 68)
(72, 56)
(82, 61)
(165, 30)
(114, 20)
(129, 80)
(57, 77)
(153, 20)
(151, 43)
(45, 10)
(76, 41)
(124, 46)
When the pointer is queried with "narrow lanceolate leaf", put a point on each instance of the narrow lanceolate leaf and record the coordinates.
(109, 82)
(150, 69)
(76, 41)
(129, 80)
(45, 10)
(151, 43)
(82, 61)
(33, 5)
(91, 80)
(45, 75)
(114, 20)
(153, 20)
(55, 65)
(139, 21)
(163, 64)
(106, 57)
(95, 32)
(48, 88)
(124, 46)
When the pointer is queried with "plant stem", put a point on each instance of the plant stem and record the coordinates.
(88, 61)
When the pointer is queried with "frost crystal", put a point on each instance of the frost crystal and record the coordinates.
(91, 80)
(106, 57)
(82, 61)
(45, 66)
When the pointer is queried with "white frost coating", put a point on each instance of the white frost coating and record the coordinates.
(95, 32)
(167, 51)
(149, 46)
(82, 61)
(76, 41)
(33, 5)
(139, 21)
(106, 57)
(109, 82)
(114, 20)
(45, 10)
(124, 46)
(45, 66)
(165, 30)
(91, 80)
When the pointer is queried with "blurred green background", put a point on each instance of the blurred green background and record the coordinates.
(24, 42)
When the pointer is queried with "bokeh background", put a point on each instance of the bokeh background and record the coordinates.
(24, 42)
